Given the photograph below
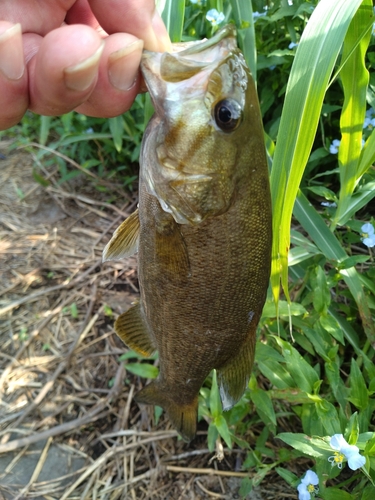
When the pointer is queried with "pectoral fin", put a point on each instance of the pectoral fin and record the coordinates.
(124, 241)
(132, 330)
(182, 416)
(171, 249)
(234, 376)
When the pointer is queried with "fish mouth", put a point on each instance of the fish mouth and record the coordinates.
(159, 69)
(227, 32)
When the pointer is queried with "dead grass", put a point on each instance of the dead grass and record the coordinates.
(62, 387)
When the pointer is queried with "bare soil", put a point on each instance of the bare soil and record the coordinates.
(69, 428)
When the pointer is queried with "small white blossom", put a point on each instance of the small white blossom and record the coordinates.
(334, 147)
(368, 233)
(329, 204)
(307, 486)
(257, 15)
(344, 450)
(369, 119)
(215, 17)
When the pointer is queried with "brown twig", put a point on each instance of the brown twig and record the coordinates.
(34, 296)
(68, 426)
(32, 336)
(85, 328)
(76, 165)
(210, 472)
(110, 453)
(87, 200)
(37, 471)
(208, 492)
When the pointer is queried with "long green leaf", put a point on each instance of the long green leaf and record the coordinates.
(45, 125)
(358, 200)
(368, 155)
(116, 126)
(329, 245)
(313, 65)
(354, 78)
(243, 16)
(172, 13)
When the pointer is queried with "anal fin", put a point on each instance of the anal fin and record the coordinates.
(124, 241)
(132, 330)
(234, 376)
(182, 416)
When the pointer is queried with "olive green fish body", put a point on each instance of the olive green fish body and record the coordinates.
(203, 228)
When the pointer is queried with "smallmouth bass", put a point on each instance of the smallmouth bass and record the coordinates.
(202, 229)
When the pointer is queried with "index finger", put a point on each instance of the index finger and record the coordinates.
(137, 17)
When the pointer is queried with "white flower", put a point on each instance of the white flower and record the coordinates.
(334, 147)
(329, 204)
(257, 15)
(345, 450)
(292, 45)
(368, 232)
(369, 119)
(307, 485)
(215, 17)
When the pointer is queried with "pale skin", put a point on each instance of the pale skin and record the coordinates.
(60, 55)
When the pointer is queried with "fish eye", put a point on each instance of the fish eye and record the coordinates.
(228, 114)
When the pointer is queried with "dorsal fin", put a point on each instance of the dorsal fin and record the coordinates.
(124, 241)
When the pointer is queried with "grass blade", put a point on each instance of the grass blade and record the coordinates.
(329, 245)
(360, 198)
(354, 78)
(116, 126)
(243, 16)
(320, 46)
(45, 125)
(367, 156)
(173, 13)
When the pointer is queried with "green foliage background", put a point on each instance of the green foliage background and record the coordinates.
(315, 353)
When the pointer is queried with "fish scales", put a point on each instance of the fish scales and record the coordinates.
(203, 228)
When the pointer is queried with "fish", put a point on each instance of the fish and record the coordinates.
(202, 228)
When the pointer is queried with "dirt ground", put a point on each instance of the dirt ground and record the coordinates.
(69, 428)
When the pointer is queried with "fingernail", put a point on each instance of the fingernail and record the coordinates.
(123, 65)
(12, 63)
(82, 75)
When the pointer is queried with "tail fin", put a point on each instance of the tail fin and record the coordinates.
(182, 416)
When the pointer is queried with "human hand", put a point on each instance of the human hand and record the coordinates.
(74, 54)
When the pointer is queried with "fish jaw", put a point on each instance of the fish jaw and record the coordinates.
(161, 68)
(193, 173)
